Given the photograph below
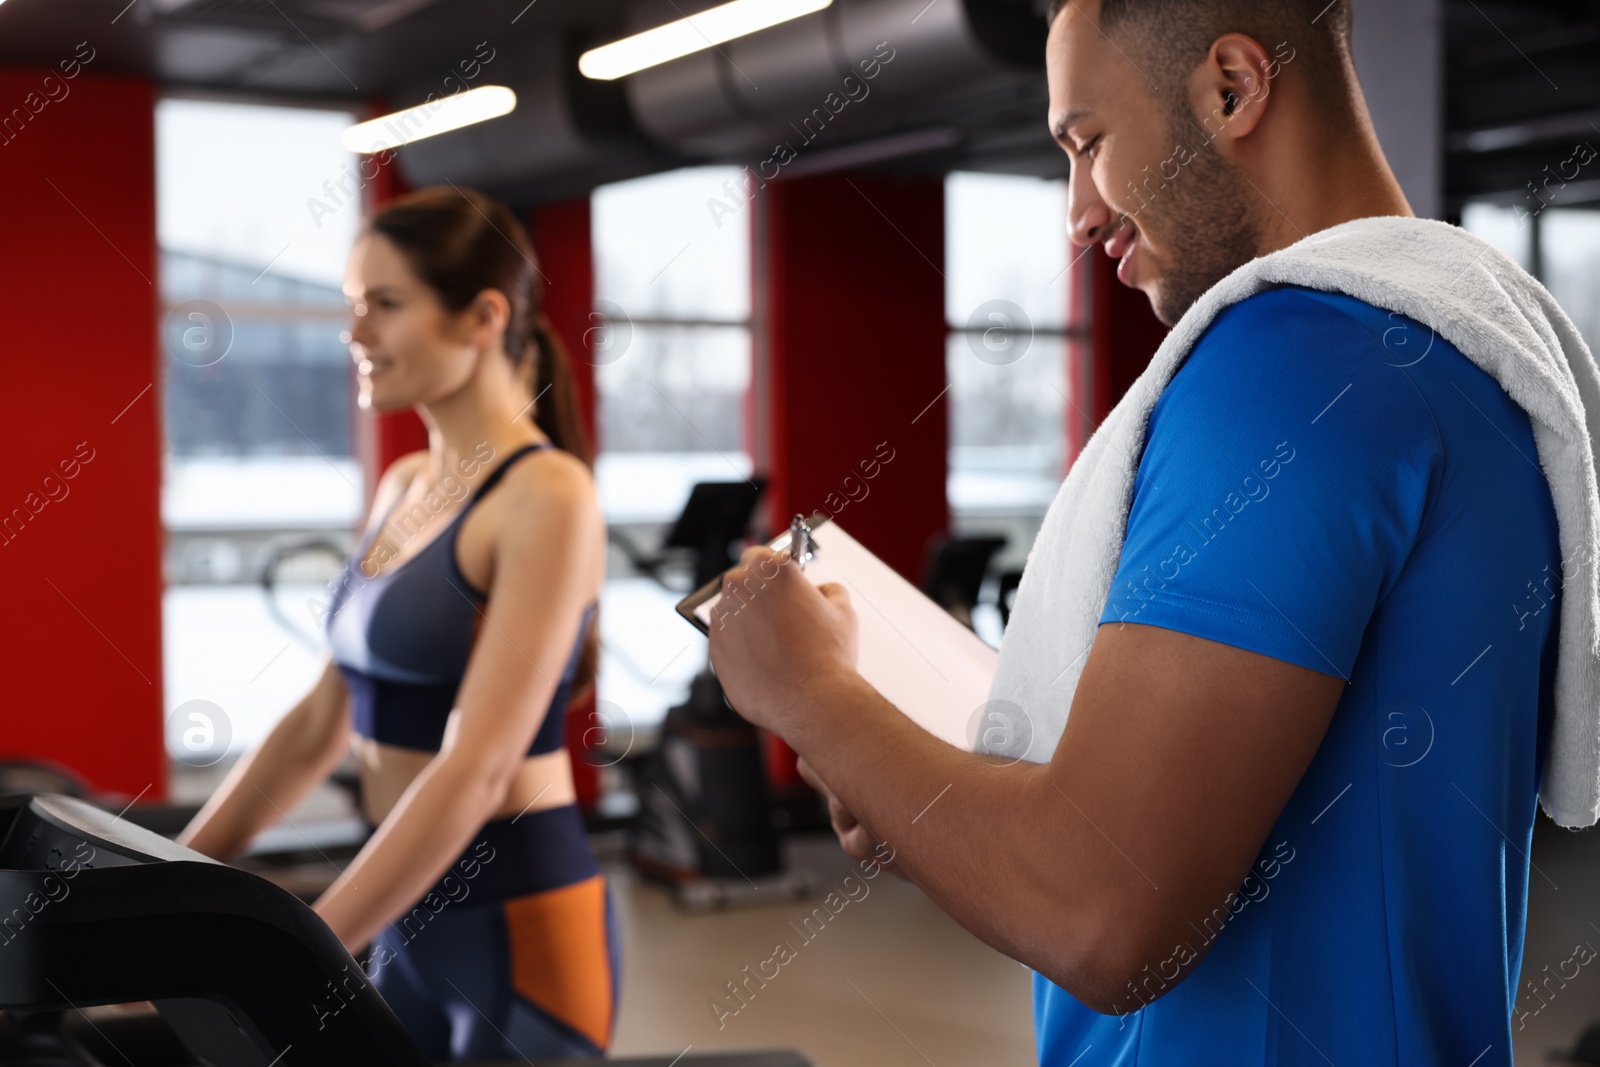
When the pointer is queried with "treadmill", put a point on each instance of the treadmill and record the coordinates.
(95, 910)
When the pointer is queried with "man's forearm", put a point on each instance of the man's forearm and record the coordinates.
(978, 836)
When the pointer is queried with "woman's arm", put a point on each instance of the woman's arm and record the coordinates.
(301, 750)
(274, 776)
(549, 561)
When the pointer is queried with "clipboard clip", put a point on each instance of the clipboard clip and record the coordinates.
(802, 548)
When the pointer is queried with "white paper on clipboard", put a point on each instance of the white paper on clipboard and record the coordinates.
(915, 653)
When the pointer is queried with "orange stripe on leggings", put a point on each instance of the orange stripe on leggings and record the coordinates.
(558, 955)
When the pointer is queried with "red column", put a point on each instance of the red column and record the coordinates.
(1124, 334)
(850, 315)
(850, 298)
(80, 488)
(562, 245)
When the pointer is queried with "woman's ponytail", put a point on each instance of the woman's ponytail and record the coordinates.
(555, 411)
(555, 408)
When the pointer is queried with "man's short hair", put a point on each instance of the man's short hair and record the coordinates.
(1172, 36)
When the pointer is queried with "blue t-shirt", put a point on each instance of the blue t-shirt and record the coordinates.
(1334, 486)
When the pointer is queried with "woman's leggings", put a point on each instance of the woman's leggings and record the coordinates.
(514, 953)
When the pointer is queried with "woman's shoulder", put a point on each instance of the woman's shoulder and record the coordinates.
(400, 470)
(547, 500)
(550, 477)
(393, 481)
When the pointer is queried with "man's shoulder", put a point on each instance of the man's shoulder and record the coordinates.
(1291, 358)
(1291, 338)
(1292, 319)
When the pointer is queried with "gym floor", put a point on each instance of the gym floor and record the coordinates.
(888, 980)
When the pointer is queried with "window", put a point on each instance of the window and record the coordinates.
(672, 370)
(256, 210)
(1558, 245)
(673, 285)
(1503, 228)
(1006, 293)
(1569, 253)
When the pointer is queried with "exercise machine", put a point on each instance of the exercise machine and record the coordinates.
(95, 910)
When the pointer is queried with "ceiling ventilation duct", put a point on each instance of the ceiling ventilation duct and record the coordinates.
(787, 83)
(563, 124)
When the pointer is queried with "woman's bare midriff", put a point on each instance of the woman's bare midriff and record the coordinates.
(543, 781)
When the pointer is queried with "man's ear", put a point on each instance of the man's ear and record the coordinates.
(1229, 89)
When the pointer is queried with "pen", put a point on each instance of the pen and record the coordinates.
(801, 547)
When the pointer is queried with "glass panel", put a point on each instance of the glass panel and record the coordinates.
(671, 394)
(1006, 427)
(251, 185)
(1007, 291)
(1570, 248)
(1005, 240)
(225, 645)
(671, 414)
(675, 245)
(256, 210)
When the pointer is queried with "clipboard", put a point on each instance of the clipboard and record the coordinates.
(911, 650)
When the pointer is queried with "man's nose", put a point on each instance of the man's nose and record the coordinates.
(1088, 217)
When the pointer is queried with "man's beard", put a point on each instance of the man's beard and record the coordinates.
(1205, 217)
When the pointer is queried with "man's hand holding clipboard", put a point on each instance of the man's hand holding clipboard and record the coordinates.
(815, 602)
(774, 634)
(775, 640)
(812, 625)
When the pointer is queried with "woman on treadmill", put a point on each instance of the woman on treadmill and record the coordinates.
(459, 630)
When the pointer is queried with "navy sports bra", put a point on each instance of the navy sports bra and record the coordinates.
(402, 639)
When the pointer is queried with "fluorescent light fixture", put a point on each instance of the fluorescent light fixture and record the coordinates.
(704, 30)
(425, 120)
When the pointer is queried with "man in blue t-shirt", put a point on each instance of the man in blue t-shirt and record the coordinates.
(1288, 819)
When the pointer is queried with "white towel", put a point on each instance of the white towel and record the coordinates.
(1476, 298)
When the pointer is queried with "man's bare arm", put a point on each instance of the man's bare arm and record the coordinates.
(1178, 756)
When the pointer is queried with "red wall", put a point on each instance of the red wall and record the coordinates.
(1124, 333)
(563, 246)
(851, 291)
(849, 298)
(1112, 333)
(82, 576)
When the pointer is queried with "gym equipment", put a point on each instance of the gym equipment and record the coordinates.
(41, 776)
(95, 910)
(714, 518)
(954, 569)
(705, 822)
(1010, 582)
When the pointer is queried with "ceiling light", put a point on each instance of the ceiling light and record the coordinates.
(703, 30)
(425, 120)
